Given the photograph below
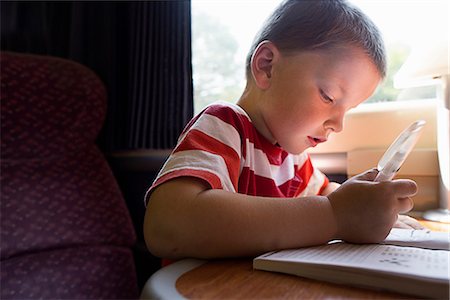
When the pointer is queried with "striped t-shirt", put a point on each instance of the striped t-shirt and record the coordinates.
(222, 147)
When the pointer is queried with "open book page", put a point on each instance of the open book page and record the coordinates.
(419, 238)
(408, 261)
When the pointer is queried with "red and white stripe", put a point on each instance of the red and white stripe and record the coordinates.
(222, 147)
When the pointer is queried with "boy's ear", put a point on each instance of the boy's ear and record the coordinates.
(262, 64)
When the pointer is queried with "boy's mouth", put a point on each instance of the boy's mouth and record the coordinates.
(314, 141)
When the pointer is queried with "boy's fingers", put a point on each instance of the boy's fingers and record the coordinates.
(409, 222)
(405, 204)
(404, 187)
(368, 175)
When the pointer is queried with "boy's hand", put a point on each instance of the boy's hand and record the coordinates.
(407, 223)
(365, 211)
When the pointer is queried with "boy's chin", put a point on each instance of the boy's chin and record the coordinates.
(296, 150)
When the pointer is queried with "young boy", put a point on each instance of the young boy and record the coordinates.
(239, 182)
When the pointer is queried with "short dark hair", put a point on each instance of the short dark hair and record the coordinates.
(302, 25)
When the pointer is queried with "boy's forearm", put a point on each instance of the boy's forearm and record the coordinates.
(264, 224)
(331, 187)
(215, 223)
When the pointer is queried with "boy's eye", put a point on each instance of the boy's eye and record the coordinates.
(325, 97)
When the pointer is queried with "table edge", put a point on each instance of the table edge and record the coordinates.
(161, 285)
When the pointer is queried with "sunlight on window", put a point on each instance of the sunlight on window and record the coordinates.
(222, 33)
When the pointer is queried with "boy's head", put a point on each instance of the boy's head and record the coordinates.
(311, 62)
(305, 25)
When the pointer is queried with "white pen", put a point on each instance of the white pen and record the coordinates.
(398, 151)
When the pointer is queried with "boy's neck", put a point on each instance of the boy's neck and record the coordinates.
(249, 101)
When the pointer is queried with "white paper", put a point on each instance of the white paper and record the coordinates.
(413, 262)
(419, 238)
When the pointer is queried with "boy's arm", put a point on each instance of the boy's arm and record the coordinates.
(185, 218)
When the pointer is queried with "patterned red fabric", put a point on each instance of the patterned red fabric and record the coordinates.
(72, 273)
(49, 106)
(65, 229)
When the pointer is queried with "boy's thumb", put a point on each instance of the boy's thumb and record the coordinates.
(368, 175)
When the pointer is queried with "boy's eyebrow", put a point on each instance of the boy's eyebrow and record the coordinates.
(336, 86)
(342, 89)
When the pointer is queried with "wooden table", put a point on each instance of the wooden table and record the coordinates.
(236, 279)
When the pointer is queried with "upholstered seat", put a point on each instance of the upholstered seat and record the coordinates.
(65, 229)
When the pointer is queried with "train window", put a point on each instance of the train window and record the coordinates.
(222, 31)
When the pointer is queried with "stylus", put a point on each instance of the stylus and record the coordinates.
(392, 167)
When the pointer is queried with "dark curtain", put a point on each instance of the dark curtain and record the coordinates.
(140, 49)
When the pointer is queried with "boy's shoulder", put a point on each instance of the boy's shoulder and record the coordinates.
(225, 113)
(220, 115)
(223, 108)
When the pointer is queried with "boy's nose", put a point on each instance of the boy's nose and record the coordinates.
(339, 125)
(336, 124)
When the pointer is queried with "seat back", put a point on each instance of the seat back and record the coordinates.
(65, 229)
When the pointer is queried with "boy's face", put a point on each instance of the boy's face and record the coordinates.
(306, 95)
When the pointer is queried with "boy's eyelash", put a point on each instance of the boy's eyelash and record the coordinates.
(326, 97)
